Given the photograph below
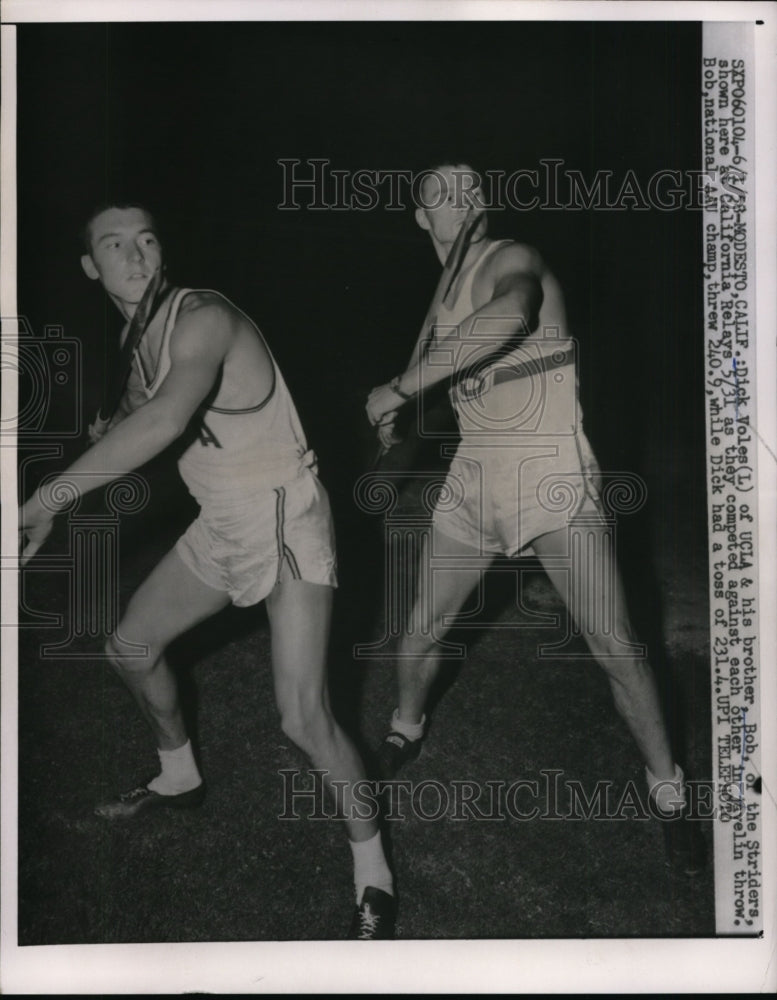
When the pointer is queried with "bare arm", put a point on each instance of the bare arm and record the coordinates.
(514, 292)
(133, 398)
(509, 313)
(198, 346)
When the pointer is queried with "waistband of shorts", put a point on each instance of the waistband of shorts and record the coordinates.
(243, 476)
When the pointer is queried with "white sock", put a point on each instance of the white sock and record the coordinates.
(179, 771)
(668, 793)
(370, 866)
(412, 730)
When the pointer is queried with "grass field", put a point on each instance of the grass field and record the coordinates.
(233, 871)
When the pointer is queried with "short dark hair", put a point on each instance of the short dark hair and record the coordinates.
(85, 235)
(438, 162)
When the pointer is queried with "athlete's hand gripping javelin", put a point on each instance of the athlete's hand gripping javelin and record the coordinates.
(385, 400)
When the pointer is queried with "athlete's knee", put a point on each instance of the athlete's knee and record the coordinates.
(308, 723)
(616, 648)
(130, 658)
(627, 675)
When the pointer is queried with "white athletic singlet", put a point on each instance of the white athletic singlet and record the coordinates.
(235, 449)
(262, 506)
(523, 466)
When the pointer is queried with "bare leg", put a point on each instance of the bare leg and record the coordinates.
(419, 652)
(300, 614)
(169, 602)
(631, 678)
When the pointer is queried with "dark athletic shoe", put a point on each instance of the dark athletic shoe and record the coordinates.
(686, 851)
(374, 917)
(142, 799)
(395, 751)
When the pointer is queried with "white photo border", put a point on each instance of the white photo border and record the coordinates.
(676, 966)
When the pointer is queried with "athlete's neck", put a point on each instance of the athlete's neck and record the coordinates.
(128, 309)
(478, 243)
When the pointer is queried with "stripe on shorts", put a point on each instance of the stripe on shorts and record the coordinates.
(284, 552)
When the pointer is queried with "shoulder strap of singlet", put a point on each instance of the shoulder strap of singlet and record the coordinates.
(150, 379)
(172, 315)
(163, 359)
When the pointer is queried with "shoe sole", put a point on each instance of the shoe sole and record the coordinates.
(121, 813)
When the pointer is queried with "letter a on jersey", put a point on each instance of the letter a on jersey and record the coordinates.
(207, 437)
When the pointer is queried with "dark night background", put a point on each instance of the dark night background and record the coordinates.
(192, 119)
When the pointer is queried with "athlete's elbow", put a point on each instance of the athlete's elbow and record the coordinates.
(523, 311)
(523, 299)
(166, 426)
(517, 316)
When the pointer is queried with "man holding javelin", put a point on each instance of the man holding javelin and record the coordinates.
(202, 374)
(501, 338)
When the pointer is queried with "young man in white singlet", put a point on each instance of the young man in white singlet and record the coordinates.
(502, 340)
(203, 373)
